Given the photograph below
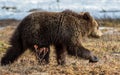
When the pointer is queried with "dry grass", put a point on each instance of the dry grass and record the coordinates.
(107, 48)
(109, 22)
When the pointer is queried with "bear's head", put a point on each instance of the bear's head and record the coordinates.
(92, 26)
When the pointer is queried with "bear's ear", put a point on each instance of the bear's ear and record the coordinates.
(87, 16)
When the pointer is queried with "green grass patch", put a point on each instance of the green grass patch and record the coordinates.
(3, 46)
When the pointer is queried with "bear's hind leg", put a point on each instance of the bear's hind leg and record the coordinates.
(11, 55)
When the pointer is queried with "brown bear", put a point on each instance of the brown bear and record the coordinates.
(64, 30)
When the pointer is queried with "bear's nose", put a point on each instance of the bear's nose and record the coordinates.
(100, 33)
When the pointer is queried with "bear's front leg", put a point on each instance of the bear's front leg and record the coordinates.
(87, 54)
(80, 51)
(61, 54)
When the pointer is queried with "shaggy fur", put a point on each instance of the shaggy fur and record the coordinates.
(63, 29)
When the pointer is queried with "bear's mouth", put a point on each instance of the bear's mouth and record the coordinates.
(94, 36)
(97, 35)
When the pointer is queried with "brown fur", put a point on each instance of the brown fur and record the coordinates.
(63, 29)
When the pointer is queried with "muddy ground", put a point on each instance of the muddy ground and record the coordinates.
(107, 48)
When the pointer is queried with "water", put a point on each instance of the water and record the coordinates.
(98, 8)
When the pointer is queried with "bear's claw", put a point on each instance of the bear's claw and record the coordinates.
(94, 59)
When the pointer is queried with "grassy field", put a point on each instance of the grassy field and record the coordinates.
(107, 48)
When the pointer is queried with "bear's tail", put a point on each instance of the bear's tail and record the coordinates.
(15, 50)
